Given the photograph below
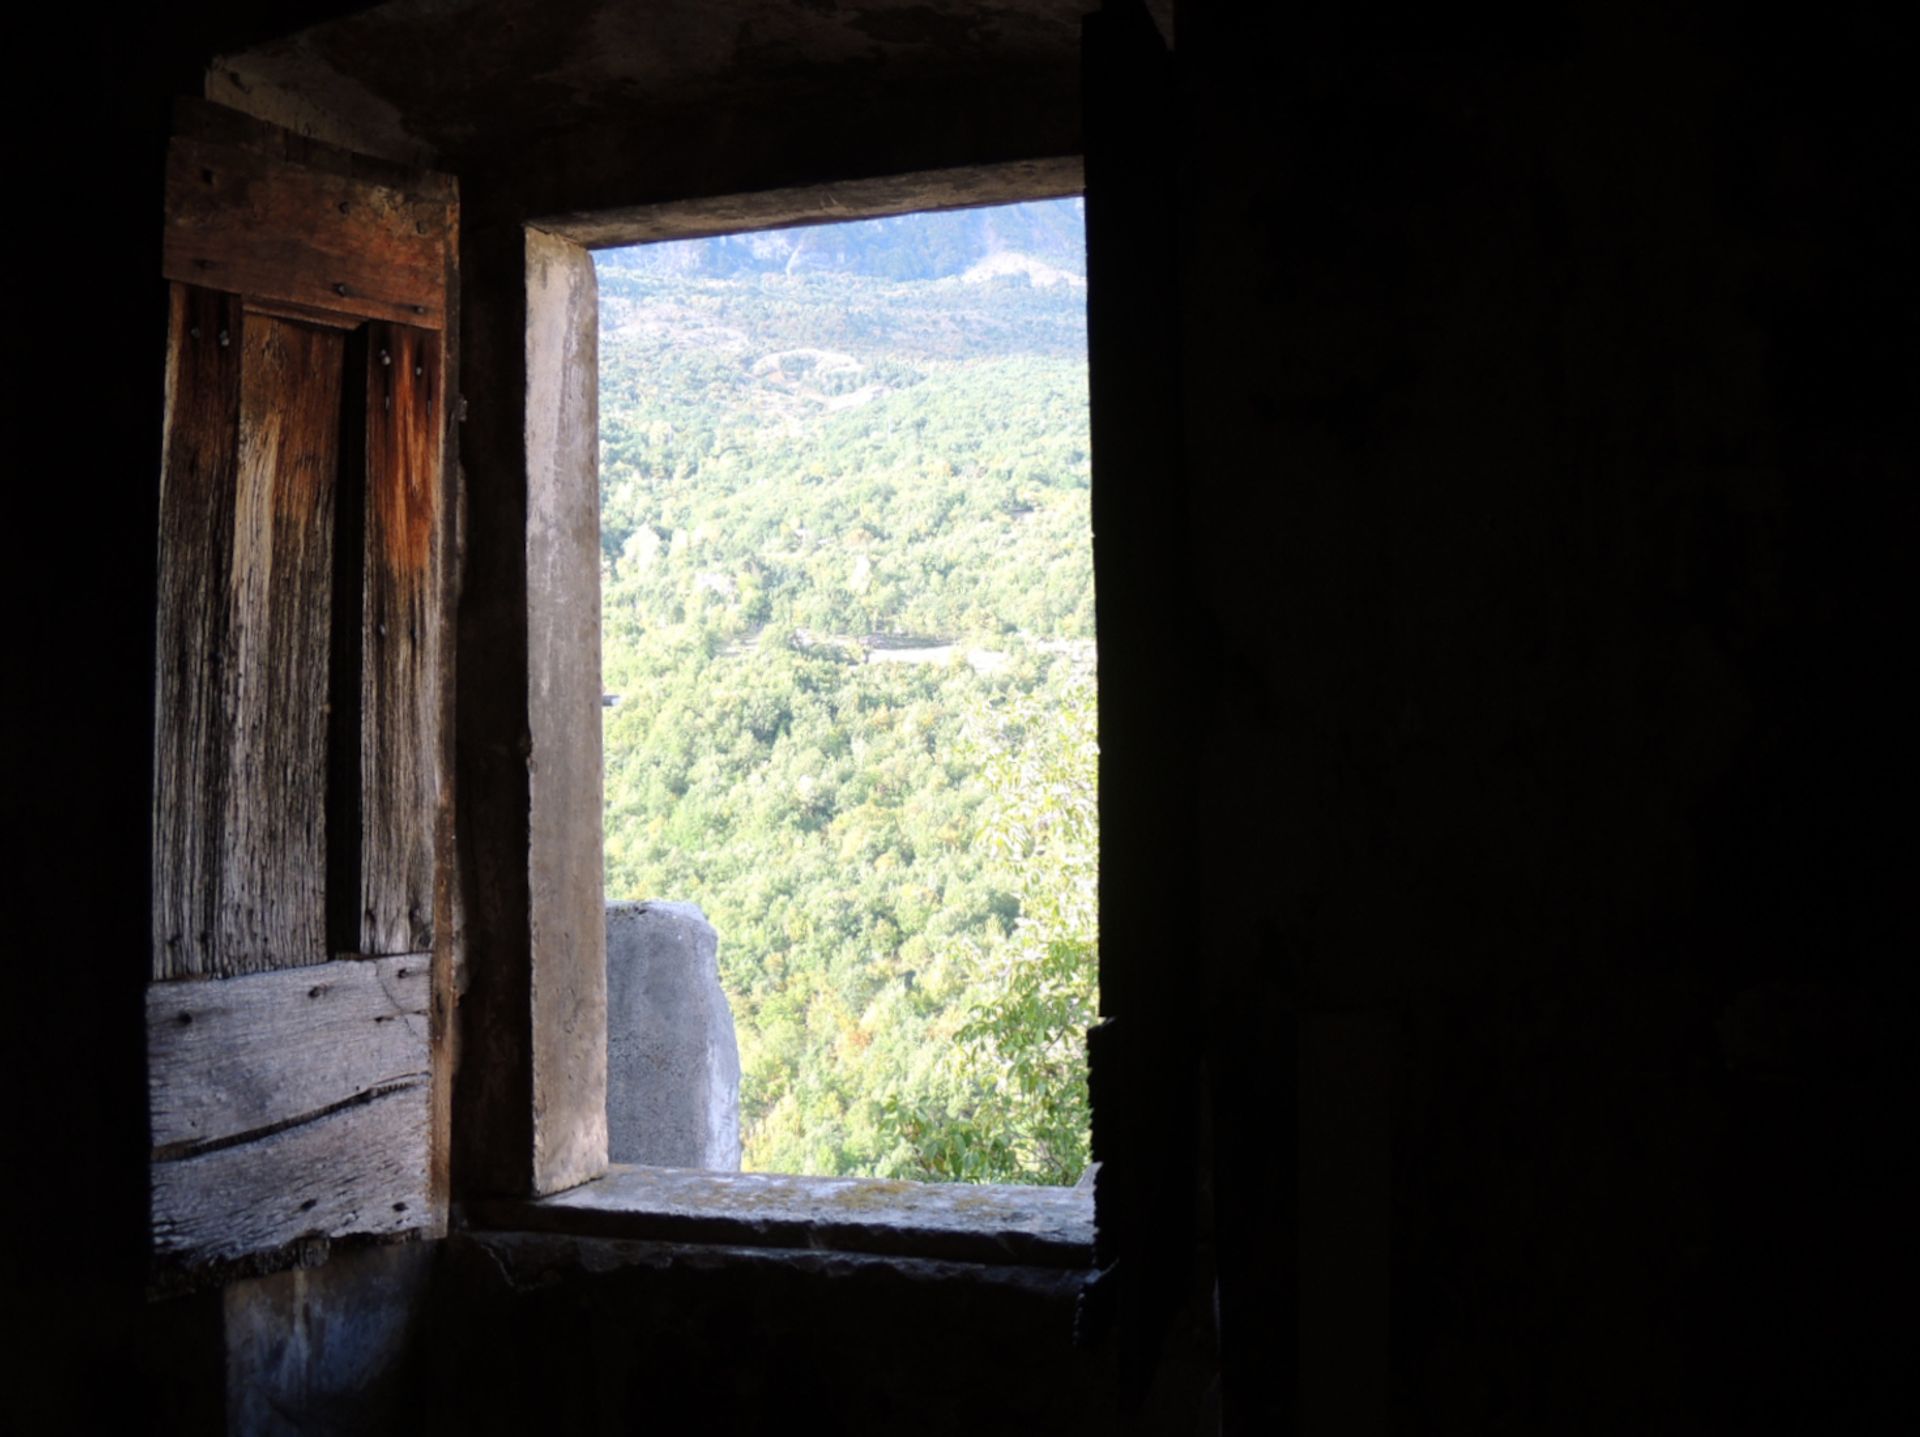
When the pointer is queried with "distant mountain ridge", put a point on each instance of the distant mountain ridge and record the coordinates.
(1049, 235)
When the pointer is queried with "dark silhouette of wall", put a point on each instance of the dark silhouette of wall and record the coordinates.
(1548, 440)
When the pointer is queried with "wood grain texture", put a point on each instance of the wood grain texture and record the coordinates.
(305, 572)
(238, 1058)
(345, 684)
(202, 119)
(280, 231)
(197, 489)
(402, 641)
(446, 884)
(273, 867)
(361, 1168)
(1002, 183)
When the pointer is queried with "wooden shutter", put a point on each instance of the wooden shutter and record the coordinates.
(301, 824)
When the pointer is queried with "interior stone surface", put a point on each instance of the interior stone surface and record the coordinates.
(450, 80)
(983, 1222)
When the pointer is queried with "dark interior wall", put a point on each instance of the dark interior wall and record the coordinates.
(1550, 417)
(78, 719)
(597, 1335)
(79, 736)
(1550, 436)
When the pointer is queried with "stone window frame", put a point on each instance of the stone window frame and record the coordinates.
(543, 1132)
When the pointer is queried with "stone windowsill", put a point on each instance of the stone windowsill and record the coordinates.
(959, 1222)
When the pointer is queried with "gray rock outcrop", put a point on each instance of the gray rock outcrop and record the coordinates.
(673, 1065)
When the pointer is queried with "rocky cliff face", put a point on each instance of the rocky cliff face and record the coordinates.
(673, 1065)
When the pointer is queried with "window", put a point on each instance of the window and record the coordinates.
(847, 626)
(527, 967)
(543, 1076)
(529, 1106)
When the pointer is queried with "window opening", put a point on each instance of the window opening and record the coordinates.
(849, 654)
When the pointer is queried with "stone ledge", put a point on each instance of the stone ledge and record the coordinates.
(954, 1222)
(539, 1261)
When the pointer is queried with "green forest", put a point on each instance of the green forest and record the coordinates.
(848, 638)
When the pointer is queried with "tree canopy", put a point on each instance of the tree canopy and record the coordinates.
(848, 614)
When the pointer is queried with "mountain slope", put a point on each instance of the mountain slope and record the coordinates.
(847, 592)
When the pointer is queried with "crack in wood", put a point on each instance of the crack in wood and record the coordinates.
(176, 1152)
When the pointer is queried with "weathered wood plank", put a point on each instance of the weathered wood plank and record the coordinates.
(361, 1168)
(301, 1103)
(273, 874)
(446, 884)
(402, 678)
(566, 910)
(1000, 183)
(304, 314)
(245, 1055)
(273, 229)
(247, 490)
(344, 904)
(201, 119)
(195, 568)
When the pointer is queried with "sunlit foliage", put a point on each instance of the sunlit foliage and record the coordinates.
(848, 614)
